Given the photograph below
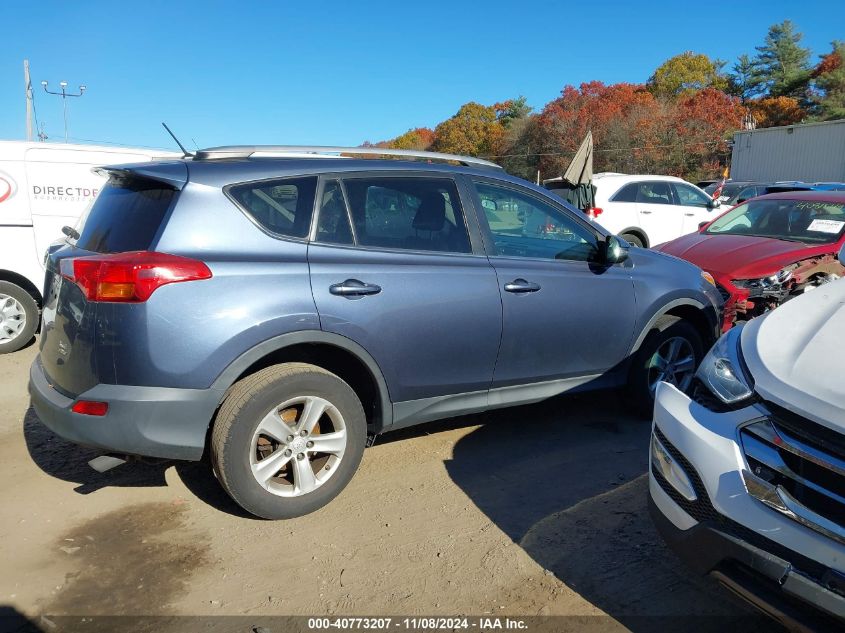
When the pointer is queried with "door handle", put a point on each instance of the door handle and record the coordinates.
(354, 288)
(689, 215)
(520, 285)
(646, 211)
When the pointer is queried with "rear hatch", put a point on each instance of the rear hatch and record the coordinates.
(126, 217)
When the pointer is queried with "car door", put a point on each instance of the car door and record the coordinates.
(396, 269)
(659, 217)
(695, 205)
(566, 318)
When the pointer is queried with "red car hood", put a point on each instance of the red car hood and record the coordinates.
(741, 256)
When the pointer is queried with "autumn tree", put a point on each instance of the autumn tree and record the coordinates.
(420, 138)
(782, 66)
(773, 111)
(617, 114)
(474, 130)
(686, 73)
(830, 80)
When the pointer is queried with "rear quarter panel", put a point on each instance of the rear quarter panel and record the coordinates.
(186, 334)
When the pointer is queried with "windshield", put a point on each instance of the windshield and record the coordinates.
(808, 221)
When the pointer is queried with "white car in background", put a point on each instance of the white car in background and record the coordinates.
(649, 210)
(747, 477)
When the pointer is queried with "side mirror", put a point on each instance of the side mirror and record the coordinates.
(714, 203)
(701, 225)
(614, 250)
(490, 205)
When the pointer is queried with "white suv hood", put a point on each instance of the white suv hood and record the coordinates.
(796, 355)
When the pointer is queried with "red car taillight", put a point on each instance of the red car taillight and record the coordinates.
(129, 277)
(594, 212)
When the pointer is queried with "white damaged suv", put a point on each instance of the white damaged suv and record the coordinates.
(747, 477)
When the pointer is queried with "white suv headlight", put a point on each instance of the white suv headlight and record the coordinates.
(722, 372)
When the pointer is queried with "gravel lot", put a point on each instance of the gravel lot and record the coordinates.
(527, 511)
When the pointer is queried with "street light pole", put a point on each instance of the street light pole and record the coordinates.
(64, 94)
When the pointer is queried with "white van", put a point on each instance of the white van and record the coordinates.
(43, 187)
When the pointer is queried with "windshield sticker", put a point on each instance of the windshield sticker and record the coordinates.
(826, 226)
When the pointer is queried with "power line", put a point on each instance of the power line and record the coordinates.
(611, 149)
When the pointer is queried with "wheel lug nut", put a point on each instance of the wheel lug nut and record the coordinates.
(303, 433)
(309, 444)
(288, 453)
(300, 456)
(290, 438)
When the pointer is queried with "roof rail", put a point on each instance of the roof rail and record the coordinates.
(327, 151)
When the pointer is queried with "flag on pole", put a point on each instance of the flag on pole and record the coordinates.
(718, 193)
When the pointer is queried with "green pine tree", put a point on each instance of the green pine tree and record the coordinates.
(781, 67)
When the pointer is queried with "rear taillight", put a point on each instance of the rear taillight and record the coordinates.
(129, 277)
(594, 212)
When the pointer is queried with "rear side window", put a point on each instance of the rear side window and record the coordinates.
(421, 214)
(126, 216)
(283, 207)
(628, 193)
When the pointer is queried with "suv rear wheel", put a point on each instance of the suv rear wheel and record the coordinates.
(671, 352)
(18, 317)
(287, 440)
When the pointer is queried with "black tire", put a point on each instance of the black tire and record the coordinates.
(640, 393)
(633, 240)
(30, 308)
(237, 422)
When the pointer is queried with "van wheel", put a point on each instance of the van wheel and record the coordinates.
(18, 317)
(671, 352)
(287, 440)
(633, 240)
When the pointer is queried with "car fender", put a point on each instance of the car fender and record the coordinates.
(661, 312)
(229, 375)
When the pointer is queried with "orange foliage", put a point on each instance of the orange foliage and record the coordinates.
(772, 111)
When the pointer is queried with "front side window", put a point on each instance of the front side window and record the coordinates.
(806, 221)
(525, 226)
(421, 214)
(689, 197)
(283, 207)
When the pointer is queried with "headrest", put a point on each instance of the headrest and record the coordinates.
(432, 213)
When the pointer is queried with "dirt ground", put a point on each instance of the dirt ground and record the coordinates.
(536, 510)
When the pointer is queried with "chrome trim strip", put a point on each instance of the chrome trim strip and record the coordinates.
(780, 500)
(776, 436)
(769, 456)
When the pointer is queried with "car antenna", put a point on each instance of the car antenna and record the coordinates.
(185, 152)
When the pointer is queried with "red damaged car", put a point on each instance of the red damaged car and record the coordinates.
(768, 249)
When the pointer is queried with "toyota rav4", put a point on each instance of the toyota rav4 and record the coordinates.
(276, 312)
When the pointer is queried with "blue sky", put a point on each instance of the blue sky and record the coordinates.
(345, 72)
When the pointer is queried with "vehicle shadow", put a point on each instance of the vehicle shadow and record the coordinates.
(566, 480)
(64, 460)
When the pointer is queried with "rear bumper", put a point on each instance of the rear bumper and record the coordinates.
(148, 421)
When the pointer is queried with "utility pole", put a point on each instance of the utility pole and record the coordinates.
(28, 91)
(64, 94)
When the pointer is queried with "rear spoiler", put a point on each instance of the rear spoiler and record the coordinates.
(172, 173)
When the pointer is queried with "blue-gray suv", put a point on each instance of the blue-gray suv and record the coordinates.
(275, 309)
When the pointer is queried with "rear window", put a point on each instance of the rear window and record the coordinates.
(126, 216)
(283, 207)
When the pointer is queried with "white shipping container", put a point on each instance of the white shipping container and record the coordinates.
(810, 152)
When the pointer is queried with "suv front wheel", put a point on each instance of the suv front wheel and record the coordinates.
(671, 352)
(287, 440)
